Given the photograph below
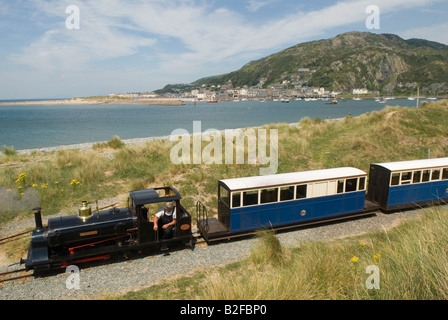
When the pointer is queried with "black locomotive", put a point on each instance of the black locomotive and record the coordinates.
(93, 236)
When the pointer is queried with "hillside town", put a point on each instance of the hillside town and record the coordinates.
(287, 90)
(227, 92)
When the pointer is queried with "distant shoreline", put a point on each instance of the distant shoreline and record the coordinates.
(99, 101)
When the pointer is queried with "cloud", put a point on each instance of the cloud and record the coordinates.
(99, 38)
(254, 5)
(179, 39)
(438, 33)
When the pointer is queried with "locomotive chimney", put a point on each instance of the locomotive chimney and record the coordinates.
(38, 218)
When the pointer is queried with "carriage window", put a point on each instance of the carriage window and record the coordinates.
(445, 174)
(351, 185)
(236, 199)
(286, 193)
(435, 174)
(301, 191)
(269, 195)
(426, 174)
(250, 198)
(406, 177)
(417, 177)
(395, 181)
(340, 186)
(362, 183)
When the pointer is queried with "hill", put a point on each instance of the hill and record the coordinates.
(378, 62)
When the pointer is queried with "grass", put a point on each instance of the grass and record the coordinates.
(114, 143)
(9, 151)
(59, 180)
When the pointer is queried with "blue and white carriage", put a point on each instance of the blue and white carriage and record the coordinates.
(406, 184)
(284, 200)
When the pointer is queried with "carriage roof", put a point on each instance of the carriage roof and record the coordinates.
(414, 164)
(285, 179)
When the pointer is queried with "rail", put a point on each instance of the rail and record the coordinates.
(8, 276)
(14, 237)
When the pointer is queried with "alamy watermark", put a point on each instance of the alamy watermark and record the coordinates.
(73, 280)
(185, 152)
(373, 20)
(73, 21)
(373, 280)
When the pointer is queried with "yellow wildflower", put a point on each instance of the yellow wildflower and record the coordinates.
(21, 177)
(354, 259)
(377, 256)
(75, 182)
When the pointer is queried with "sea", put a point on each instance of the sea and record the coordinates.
(38, 126)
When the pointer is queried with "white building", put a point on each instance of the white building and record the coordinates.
(360, 91)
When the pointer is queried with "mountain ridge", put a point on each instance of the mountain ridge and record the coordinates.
(377, 62)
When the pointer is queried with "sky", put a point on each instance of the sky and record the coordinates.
(74, 48)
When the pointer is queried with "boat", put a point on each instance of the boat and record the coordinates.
(212, 101)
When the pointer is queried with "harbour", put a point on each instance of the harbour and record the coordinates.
(31, 126)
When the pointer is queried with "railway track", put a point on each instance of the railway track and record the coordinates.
(14, 237)
(15, 275)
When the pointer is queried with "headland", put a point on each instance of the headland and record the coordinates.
(100, 100)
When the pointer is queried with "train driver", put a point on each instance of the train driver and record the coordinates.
(166, 219)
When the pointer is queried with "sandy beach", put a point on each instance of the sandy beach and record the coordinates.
(74, 101)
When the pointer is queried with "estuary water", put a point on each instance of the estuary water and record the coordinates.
(38, 126)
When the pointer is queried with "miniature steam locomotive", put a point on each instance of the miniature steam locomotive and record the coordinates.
(93, 236)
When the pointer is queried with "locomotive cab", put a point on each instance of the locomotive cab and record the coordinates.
(146, 203)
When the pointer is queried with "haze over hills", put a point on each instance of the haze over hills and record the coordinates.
(377, 62)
